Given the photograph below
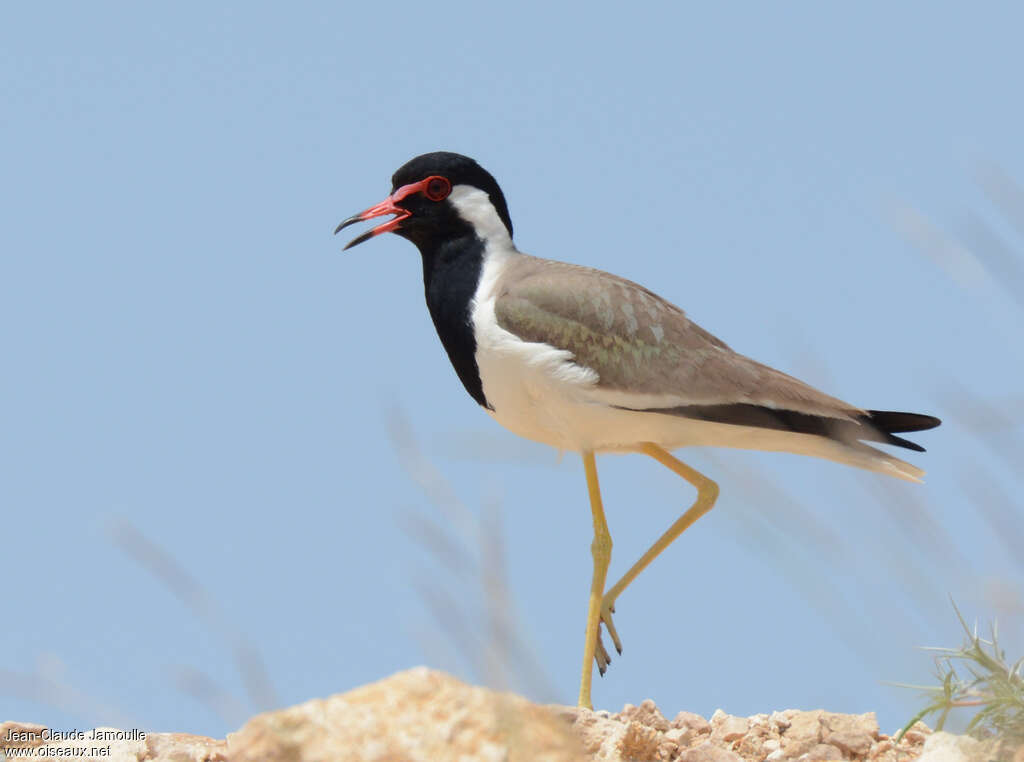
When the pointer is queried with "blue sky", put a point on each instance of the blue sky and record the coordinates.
(189, 358)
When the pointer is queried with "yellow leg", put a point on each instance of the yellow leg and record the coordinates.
(707, 493)
(601, 550)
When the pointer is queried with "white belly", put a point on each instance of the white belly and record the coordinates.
(539, 393)
(536, 390)
(533, 392)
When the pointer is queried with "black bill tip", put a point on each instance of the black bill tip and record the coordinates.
(345, 223)
(358, 240)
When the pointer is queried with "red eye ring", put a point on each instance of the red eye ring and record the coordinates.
(437, 188)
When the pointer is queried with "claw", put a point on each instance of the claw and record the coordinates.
(606, 618)
(601, 656)
(600, 652)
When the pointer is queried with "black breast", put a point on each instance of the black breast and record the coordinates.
(451, 272)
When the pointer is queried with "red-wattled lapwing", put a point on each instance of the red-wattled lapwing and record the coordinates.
(583, 360)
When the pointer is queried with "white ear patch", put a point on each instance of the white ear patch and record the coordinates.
(475, 207)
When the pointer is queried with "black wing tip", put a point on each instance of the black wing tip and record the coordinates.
(892, 422)
(877, 426)
(901, 442)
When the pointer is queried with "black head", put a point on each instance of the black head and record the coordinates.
(421, 198)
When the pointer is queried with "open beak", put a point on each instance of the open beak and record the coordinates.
(387, 206)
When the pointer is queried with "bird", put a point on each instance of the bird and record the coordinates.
(589, 362)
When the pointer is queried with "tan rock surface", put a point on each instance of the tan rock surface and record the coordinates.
(423, 715)
(415, 715)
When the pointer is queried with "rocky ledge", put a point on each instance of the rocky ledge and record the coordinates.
(426, 715)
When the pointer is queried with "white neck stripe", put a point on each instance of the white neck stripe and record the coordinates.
(475, 207)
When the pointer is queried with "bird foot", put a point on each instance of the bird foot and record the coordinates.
(600, 652)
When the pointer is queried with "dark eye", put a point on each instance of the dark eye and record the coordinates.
(438, 188)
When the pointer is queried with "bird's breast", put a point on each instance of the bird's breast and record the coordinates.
(533, 389)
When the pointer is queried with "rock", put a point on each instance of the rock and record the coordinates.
(803, 734)
(881, 748)
(111, 744)
(679, 736)
(181, 747)
(646, 714)
(644, 743)
(563, 712)
(426, 715)
(592, 729)
(917, 733)
(781, 720)
(415, 715)
(821, 751)
(726, 728)
(852, 733)
(854, 744)
(618, 738)
(946, 747)
(692, 721)
(21, 735)
(709, 752)
(760, 741)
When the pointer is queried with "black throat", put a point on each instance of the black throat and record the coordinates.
(451, 272)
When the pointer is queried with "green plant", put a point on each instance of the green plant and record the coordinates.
(977, 675)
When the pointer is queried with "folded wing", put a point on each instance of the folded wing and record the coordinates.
(650, 357)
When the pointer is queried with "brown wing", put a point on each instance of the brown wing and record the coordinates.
(641, 346)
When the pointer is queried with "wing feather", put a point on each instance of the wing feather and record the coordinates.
(643, 348)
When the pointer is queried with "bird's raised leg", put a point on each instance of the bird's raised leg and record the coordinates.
(707, 493)
(601, 550)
